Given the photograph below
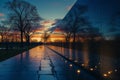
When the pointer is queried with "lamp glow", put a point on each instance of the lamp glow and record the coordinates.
(70, 65)
(105, 75)
(78, 71)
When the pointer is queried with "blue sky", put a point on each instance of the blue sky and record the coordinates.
(53, 9)
(48, 9)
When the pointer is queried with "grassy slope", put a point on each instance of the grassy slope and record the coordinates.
(7, 53)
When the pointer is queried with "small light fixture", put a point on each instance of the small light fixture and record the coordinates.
(115, 70)
(70, 65)
(95, 66)
(91, 69)
(78, 71)
(109, 72)
(76, 61)
(83, 64)
(105, 75)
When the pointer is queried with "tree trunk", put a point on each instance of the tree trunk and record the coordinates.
(1, 38)
(74, 36)
(28, 39)
(27, 36)
(74, 44)
(67, 37)
(21, 38)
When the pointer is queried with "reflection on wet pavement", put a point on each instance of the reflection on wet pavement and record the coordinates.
(40, 63)
(22, 67)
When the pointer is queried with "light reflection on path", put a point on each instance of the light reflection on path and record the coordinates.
(40, 63)
(23, 66)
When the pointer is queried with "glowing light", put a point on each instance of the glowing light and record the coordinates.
(105, 75)
(115, 70)
(83, 64)
(91, 69)
(109, 72)
(78, 71)
(95, 66)
(70, 65)
(76, 61)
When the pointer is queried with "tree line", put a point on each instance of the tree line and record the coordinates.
(23, 17)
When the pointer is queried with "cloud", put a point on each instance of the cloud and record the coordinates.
(1, 14)
(47, 23)
(2, 19)
(69, 7)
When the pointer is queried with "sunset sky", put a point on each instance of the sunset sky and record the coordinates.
(99, 11)
(48, 9)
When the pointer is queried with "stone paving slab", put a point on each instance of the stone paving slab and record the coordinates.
(46, 70)
(47, 77)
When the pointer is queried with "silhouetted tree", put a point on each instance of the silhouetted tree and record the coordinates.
(28, 33)
(4, 31)
(45, 36)
(21, 14)
(65, 26)
(30, 30)
(77, 25)
(75, 20)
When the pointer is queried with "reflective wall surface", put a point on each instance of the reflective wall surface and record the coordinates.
(101, 59)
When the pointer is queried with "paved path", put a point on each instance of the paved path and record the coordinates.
(40, 63)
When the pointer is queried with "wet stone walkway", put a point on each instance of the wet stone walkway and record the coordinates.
(41, 63)
(46, 69)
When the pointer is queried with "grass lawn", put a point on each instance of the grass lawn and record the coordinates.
(5, 54)
(13, 51)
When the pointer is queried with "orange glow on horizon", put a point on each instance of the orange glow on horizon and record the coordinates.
(47, 23)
